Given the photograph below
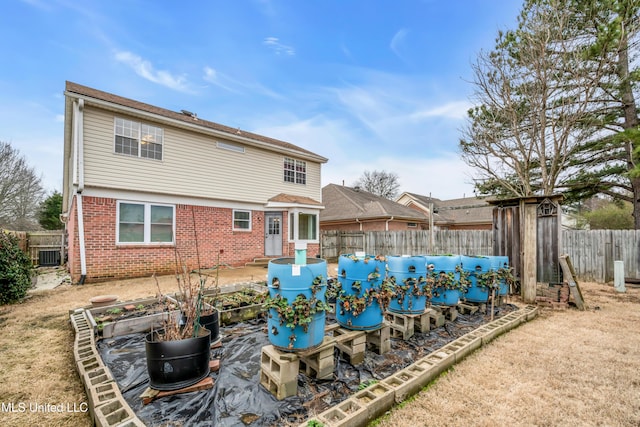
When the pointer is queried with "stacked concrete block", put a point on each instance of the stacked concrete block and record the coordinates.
(352, 344)
(279, 372)
(380, 338)
(319, 362)
(106, 404)
(448, 311)
(403, 326)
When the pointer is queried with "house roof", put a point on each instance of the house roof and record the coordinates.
(187, 118)
(292, 199)
(346, 203)
(465, 210)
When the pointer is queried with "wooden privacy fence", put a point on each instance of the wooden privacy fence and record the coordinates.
(413, 242)
(45, 248)
(592, 252)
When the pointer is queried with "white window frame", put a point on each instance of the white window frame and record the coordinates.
(298, 177)
(233, 220)
(294, 225)
(154, 135)
(147, 224)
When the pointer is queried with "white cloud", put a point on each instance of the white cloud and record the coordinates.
(146, 70)
(397, 40)
(274, 44)
(450, 110)
(350, 154)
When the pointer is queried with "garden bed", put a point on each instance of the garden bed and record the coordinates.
(237, 396)
(239, 302)
(129, 317)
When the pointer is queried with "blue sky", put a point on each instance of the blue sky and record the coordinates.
(371, 85)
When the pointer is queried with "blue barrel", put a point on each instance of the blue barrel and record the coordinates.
(476, 266)
(446, 291)
(360, 278)
(306, 284)
(408, 274)
(502, 265)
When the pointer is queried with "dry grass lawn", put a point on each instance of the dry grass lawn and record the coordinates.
(564, 368)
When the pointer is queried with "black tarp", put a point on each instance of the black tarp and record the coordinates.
(238, 399)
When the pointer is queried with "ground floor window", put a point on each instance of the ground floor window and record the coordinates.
(145, 223)
(242, 220)
(303, 226)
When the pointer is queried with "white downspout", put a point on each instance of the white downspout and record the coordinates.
(74, 138)
(358, 221)
(80, 145)
(83, 256)
(80, 157)
(386, 225)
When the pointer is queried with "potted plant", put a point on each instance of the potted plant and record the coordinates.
(178, 354)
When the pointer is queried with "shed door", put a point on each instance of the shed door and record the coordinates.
(273, 234)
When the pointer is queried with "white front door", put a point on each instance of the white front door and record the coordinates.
(273, 234)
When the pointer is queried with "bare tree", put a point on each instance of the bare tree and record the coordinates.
(529, 117)
(380, 183)
(20, 190)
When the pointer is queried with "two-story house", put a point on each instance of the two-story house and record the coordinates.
(145, 186)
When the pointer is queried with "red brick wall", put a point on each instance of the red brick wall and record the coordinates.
(209, 229)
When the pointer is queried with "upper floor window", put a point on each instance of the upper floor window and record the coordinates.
(145, 223)
(295, 171)
(138, 139)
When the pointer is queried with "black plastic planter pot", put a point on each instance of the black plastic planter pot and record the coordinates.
(173, 365)
(212, 323)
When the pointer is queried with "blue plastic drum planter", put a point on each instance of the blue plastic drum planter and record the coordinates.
(503, 271)
(480, 277)
(296, 303)
(408, 276)
(445, 273)
(362, 296)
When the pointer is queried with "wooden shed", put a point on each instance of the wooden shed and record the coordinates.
(528, 231)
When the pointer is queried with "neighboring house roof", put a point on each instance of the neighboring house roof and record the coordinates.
(346, 203)
(192, 120)
(466, 210)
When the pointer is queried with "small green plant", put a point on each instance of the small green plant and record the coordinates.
(367, 383)
(140, 307)
(16, 270)
(315, 423)
(114, 311)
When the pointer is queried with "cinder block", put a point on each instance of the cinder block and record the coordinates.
(279, 372)
(319, 362)
(436, 318)
(90, 364)
(422, 323)
(280, 366)
(115, 412)
(402, 326)
(378, 399)
(278, 389)
(346, 414)
(96, 376)
(380, 339)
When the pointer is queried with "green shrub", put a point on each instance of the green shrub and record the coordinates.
(15, 270)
